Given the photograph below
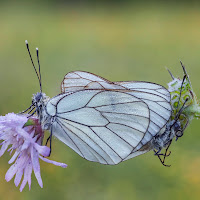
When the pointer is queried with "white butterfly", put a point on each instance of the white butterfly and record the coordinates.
(103, 121)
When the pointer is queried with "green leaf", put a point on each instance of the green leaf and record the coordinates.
(30, 122)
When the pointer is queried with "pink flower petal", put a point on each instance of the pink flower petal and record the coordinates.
(24, 134)
(27, 175)
(13, 157)
(32, 133)
(21, 160)
(25, 180)
(25, 145)
(11, 172)
(18, 176)
(13, 169)
(23, 184)
(43, 150)
(53, 162)
(29, 172)
(3, 148)
(36, 166)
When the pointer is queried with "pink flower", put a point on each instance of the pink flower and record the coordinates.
(25, 137)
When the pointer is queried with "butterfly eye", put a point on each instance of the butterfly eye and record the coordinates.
(177, 126)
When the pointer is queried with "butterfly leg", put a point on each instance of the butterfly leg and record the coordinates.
(27, 109)
(32, 113)
(49, 139)
(157, 153)
(31, 110)
(165, 155)
(163, 162)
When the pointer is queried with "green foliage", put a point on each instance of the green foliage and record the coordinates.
(30, 122)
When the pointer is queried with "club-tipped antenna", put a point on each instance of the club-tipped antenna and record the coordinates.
(37, 52)
(27, 46)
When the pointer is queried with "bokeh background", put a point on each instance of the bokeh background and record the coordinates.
(119, 40)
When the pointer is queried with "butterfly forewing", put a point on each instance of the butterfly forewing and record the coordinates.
(101, 126)
(155, 96)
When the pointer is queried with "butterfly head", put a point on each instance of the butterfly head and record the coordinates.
(39, 99)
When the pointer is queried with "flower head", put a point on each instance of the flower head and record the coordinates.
(24, 138)
(182, 94)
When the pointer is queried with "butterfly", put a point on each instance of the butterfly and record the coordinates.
(103, 121)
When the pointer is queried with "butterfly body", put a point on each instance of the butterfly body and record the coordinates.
(39, 101)
(162, 140)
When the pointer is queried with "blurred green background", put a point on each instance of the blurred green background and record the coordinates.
(119, 40)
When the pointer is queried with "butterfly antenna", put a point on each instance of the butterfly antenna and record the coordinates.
(37, 52)
(27, 46)
(27, 108)
(184, 77)
(179, 112)
(185, 72)
(170, 73)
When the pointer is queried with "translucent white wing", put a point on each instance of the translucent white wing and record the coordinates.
(155, 96)
(159, 105)
(101, 126)
(144, 149)
(79, 80)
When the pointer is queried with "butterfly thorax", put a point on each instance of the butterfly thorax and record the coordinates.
(173, 128)
(40, 100)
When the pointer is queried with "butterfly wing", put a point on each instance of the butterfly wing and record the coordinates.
(80, 80)
(155, 96)
(101, 126)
